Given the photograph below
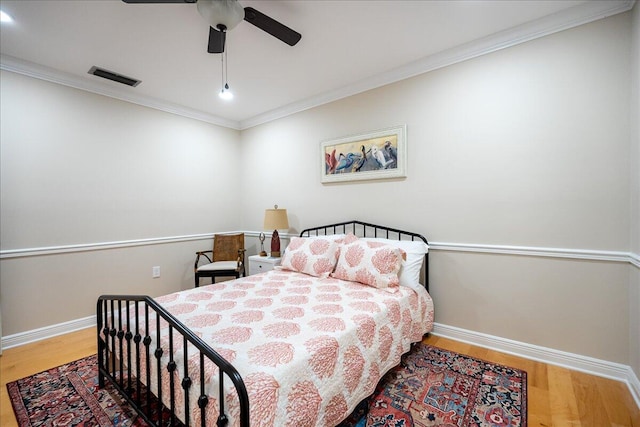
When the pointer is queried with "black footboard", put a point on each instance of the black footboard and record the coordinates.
(130, 355)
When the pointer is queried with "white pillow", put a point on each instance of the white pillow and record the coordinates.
(415, 251)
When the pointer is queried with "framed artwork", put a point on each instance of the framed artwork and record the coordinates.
(381, 154)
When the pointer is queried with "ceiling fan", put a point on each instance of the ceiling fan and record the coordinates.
(224, 15)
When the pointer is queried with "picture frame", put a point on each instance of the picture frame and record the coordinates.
(379, 154)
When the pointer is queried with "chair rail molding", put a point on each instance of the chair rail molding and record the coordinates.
(87, 247)
(581, 254)
(586, 254)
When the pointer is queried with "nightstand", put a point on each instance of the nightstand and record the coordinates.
(260, 264)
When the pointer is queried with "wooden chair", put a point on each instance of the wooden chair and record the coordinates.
(227, 258)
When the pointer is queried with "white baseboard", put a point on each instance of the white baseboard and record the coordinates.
(589, 365)
(573, 361)
(39, 334)
(634, 385)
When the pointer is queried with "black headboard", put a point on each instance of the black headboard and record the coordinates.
(363, 229)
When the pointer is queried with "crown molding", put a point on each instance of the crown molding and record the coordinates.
(31, 69)
(578, 15)
(569, 18)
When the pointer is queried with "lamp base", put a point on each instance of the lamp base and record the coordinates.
(275, 244)
(263, 253)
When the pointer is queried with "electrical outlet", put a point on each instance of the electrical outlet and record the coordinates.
(155, 272)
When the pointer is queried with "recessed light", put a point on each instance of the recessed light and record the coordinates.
(5, 17)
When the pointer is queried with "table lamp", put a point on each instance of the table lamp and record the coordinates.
(275, 219)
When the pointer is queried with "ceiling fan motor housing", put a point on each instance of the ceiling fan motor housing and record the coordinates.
(221, 12)
(224, 15)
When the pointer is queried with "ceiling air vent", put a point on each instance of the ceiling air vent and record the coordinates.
(110, 75)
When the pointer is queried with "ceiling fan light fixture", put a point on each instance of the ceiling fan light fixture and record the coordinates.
(226, 93)
(5, 17)
(221, 12)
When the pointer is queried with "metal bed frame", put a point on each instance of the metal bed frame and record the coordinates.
(124, 339)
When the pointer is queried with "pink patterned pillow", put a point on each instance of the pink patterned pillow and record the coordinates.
(349, 238)
(316, 257)
(371, 263)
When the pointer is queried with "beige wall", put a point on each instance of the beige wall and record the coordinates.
(528, 146)
(79, 168)
(39, 291)
(634, 281)
(84, 168)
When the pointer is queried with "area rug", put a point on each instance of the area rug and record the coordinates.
(431, 387)
(69, 395)
(436, 387)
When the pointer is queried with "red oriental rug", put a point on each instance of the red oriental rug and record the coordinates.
(431, 387)
(69, 395)
(436, 387)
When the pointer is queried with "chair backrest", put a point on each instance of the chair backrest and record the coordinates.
(226, 246)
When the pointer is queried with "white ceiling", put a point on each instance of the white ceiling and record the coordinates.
(346, 47)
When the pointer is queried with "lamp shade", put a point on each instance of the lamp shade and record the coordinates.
(276, 219)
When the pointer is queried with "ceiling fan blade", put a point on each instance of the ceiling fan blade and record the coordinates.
(159, 1)
(216, 40)
(271, 26)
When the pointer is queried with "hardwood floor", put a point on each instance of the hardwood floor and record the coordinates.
(556, 396)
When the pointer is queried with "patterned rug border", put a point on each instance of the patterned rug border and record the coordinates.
(19, 410)
(106, 406)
